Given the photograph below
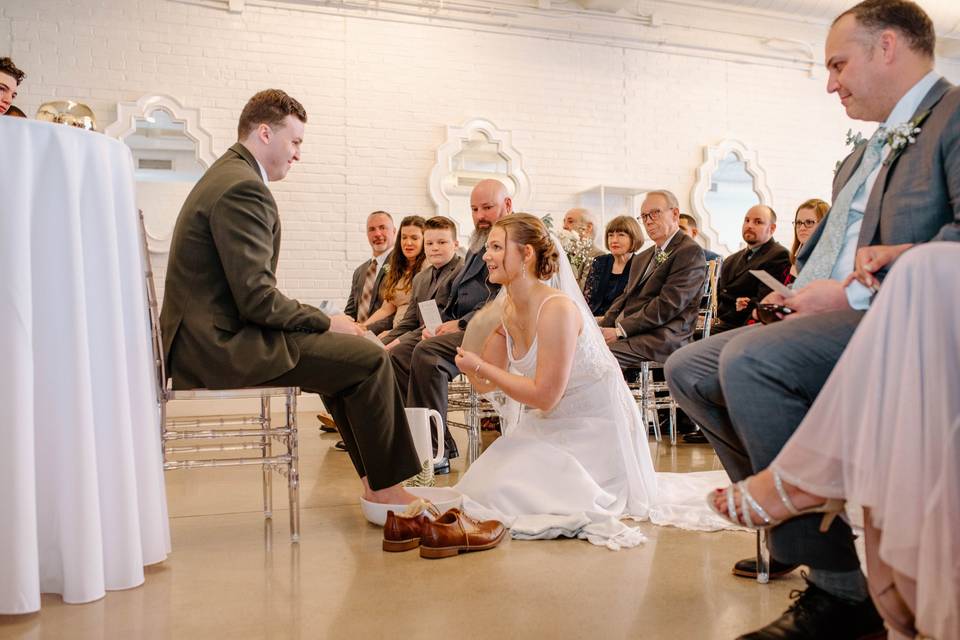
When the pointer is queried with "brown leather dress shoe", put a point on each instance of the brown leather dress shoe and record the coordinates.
(455, 532)
(401, 532)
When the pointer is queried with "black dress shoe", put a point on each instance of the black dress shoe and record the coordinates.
(339, 446)
(747, 568)
(815, 615)
(327, 425)
(694, 437)
(442, 468)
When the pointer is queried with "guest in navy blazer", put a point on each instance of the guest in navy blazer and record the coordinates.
(609, 272)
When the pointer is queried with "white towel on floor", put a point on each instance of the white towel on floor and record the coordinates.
(605, 531)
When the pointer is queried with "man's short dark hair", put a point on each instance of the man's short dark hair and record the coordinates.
(902, 15)
(7, 67)
(270, 107)
(15, 111)
(442, 222)
(690, 220)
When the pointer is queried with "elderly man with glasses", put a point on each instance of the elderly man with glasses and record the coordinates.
(657, 311)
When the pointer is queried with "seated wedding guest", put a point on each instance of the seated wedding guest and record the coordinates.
(10, 79)
(226, 324)
(886, 439)
(406, 260)
(367, 278)
(581, 222)
(805, 221)
(688, 224)
(808, 216)
(15, 112)
(433, 283)
(425, 367)
(738, 290)
(750, 388)
(657, 311)
(608, 275)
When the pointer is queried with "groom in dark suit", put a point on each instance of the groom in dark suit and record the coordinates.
(750, 388)
(226, 325)
(657, 311)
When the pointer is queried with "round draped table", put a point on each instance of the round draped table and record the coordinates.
(81, 478)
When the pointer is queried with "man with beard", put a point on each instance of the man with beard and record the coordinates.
(738, 290)
(424, 367)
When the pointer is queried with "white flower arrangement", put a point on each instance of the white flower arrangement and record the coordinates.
(577, 248)
(661, 257)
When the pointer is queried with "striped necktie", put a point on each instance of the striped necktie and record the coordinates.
(366, 294)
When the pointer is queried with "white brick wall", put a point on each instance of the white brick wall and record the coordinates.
(380, 94)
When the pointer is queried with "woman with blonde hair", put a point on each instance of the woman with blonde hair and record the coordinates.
(574, 457)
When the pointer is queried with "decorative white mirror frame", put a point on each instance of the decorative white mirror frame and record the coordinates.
(126, 124)
(442, 172)
(712, 156)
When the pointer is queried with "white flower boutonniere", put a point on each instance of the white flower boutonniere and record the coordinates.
(661, 257)
(903, 135)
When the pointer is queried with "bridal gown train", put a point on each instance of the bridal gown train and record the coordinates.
(581, 467)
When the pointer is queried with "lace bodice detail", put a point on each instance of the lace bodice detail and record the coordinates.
(590, 360)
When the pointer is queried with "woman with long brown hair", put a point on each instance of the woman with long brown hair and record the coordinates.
(405, 261)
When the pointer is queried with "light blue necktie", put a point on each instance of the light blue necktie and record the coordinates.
(823, 258)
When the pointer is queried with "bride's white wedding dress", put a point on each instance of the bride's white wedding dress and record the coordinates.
(580, 468)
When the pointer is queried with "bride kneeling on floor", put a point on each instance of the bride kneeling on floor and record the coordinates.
(574, 458)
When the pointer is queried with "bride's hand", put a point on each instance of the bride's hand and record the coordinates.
(467, 361)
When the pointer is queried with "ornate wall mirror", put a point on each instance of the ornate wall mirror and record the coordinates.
(170, 152)
(729, 182)
(475, 151)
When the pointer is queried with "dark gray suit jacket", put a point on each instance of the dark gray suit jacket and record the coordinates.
(469, 290)
(224, 322)
(421, 291)
(356, 289)
(661, 305)
(916, 197)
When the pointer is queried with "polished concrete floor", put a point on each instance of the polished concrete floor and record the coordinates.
(234, 575)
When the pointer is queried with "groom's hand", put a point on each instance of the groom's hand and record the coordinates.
(609, 334)
(344, 324)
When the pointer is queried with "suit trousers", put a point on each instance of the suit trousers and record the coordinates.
(356, 382)
(749, 389)
(632, 351)
(427, 367)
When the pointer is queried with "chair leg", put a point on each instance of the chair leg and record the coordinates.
(673, 422)
(293, 470)
(473, 427)
(267, 443)
(763, 557)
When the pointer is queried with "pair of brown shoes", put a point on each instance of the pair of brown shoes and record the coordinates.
(445, 536)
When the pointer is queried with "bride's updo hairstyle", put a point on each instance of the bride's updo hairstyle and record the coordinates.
(525, 229)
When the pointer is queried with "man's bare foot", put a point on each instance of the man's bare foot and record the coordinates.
(764, 491)
(391, 495)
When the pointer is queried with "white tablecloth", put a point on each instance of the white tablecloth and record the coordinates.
(82, 502)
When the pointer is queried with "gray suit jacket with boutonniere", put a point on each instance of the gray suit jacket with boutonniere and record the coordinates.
(916, 197)
(658, 308)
